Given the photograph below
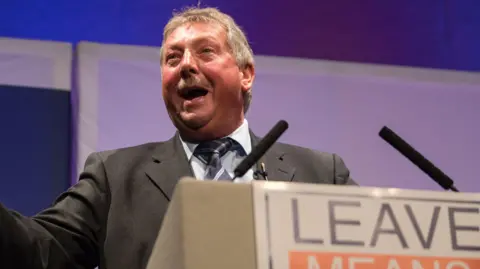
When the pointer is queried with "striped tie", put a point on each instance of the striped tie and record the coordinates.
(210, 154)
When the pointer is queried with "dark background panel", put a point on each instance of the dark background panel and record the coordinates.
(35, 145)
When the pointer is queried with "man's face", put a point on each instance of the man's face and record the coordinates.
(202, 85)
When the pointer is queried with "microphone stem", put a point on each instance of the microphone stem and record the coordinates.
(264, 171)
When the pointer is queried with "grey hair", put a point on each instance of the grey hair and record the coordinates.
(236, 38)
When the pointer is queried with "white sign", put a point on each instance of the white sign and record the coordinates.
(306, 226)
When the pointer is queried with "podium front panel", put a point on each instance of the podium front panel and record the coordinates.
(300, 226)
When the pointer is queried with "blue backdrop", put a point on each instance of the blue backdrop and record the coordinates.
(426, 33)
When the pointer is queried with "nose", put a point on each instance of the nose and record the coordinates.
(189, 65)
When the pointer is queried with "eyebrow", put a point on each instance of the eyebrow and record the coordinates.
(195, 42)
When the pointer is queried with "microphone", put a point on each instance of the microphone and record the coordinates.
(261, 148)
(416, 158)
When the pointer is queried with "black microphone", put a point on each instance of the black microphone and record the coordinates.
(261, 148)
(416, 158)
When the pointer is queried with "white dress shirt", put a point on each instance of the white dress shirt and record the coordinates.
(229, 161)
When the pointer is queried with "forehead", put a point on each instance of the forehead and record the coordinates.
(191, 32)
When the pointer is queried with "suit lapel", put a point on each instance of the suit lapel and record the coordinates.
(277, 168)
(169, 164)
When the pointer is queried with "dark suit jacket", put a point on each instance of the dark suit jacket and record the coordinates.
(112, 216)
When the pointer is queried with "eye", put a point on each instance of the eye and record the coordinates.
(171, 58)
(207, 50)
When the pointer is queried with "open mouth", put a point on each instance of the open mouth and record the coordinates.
(192, 93)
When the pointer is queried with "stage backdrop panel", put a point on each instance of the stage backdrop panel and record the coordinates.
(332, 106)
(35, 79)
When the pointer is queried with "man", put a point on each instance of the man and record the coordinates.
(112, 216)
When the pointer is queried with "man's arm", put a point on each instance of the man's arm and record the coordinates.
(341, 172)
(66, 235)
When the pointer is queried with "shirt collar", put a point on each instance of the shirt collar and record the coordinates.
(241, 135)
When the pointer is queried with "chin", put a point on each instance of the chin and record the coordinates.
(193, 122)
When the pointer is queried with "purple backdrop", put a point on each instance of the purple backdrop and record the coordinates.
(332, 106)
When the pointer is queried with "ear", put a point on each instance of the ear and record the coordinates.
(247, 75)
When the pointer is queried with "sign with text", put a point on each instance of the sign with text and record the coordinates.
(305, 226)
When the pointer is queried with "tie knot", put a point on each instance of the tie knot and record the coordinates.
(215, 148)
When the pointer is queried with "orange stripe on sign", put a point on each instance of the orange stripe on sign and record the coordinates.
(326, 260)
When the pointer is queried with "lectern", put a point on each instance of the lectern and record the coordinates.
(280, 225)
